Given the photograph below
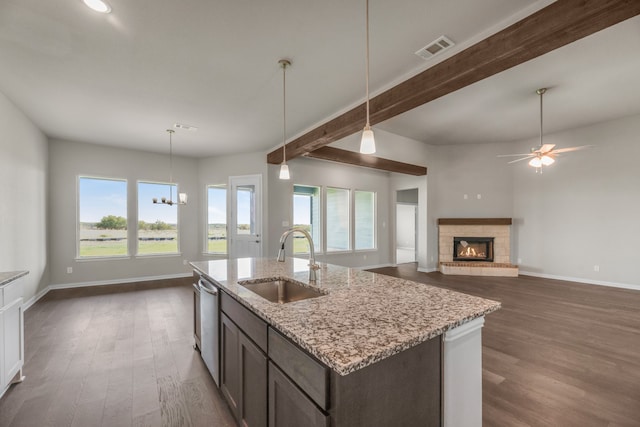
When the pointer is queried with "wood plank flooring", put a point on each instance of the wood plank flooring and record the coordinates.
(118, 355)
(557, 353)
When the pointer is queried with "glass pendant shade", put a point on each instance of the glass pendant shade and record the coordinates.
(98, 6)
(367, 143)
(284, 171)
(182, 198)
(547, 160)
(536, 162)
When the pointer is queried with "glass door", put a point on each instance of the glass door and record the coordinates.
(246, 216)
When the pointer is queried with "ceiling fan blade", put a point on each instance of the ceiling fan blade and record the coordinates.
(570, 149)
(519, 160)
(545, 148)
(516, 155)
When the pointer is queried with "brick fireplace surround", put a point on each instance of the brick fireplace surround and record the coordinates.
(498, 228)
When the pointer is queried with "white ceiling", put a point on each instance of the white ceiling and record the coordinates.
(122, 79)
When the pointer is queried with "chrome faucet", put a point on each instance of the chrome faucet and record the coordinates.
(312, 257)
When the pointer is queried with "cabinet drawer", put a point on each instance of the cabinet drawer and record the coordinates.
(254, 327)
(311, 376)
(10, 293)
(288, 406)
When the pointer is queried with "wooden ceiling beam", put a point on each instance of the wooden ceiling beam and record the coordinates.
(350, 157)
(554, 26)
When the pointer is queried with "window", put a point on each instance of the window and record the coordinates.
(102, 228)
(157, 223)
(245, 209)
(216, 219)
(306, 214)
(338, 220)
(365, 219)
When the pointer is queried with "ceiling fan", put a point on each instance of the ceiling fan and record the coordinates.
(544, 154)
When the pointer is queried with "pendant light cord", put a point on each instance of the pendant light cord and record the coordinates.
(170, 164)
(541, 95)
(367, 69)
(284, 113)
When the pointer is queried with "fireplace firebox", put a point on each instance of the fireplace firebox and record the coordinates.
(473, 249)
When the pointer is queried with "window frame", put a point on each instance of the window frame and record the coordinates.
(374, 224)
(349, 221)
(206, 219)
(319, 247)
(85, 258)
(178, 253)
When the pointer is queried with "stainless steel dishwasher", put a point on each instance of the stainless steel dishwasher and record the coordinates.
(210, 327)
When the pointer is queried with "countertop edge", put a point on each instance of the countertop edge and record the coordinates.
(9, 276)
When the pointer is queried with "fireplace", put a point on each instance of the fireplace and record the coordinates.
(473, 249)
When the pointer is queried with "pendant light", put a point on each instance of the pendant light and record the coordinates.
(182, 197)
(284, 168)
(543, 159)
(367, 143)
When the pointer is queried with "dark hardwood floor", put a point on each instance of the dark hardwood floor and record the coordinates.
(119, 355)
(557, 353)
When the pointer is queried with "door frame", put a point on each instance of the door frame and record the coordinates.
(234, 182)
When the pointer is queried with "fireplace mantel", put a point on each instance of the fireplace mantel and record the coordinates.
(474, 221)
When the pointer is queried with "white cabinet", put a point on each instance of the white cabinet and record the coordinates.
(11, 334)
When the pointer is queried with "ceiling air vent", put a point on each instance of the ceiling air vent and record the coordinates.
(437, 46)
(185, 127)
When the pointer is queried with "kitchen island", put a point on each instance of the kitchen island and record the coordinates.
(380, 347)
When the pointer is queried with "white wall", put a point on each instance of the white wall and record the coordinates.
(23, 195)
(68, 160)
(581, 212)
(584, 210)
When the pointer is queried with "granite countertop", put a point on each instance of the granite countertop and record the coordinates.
(7, 277)
(364, 318)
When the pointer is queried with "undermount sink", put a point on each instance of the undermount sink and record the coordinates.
(281, 290)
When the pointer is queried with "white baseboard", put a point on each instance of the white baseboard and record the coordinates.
(581, 280)
(43, 292)
(427, 270)
(369, 267)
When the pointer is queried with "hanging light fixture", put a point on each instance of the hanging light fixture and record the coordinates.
(182, 197)
(542, 158)
(367, 143)
(284, 168)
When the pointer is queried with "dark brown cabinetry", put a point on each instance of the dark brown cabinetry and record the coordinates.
(243, 379)
(289, 406)
(269, 380)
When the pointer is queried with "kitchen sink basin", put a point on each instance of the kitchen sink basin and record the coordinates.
(281, 291)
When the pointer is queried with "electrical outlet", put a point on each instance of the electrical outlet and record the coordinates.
(479, 196)
(465, 197)
(596, 268)
(184, 262)
(69, 270)
(519, 260)
(285, 223)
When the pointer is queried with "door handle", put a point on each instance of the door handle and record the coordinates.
(257, 241)
(213, 291)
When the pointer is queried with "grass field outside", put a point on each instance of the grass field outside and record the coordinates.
(104, 243)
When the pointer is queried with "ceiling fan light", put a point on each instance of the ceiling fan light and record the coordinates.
(284, 171)
(98, 6)
(547, 160)
(367, 143)
(536, 162)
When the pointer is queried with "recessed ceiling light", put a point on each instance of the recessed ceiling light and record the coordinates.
(98, 5)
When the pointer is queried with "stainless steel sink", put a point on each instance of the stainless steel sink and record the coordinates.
(281, 291)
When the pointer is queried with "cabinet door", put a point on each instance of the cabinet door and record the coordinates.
(290, 407)
(230, 368)
(13, 340)
(253, 383)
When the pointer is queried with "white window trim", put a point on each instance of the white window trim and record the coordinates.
(375, 221)
(322, 223)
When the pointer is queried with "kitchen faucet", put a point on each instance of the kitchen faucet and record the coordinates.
(312, 257)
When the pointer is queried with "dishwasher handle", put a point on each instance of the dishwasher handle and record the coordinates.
(213, 291)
